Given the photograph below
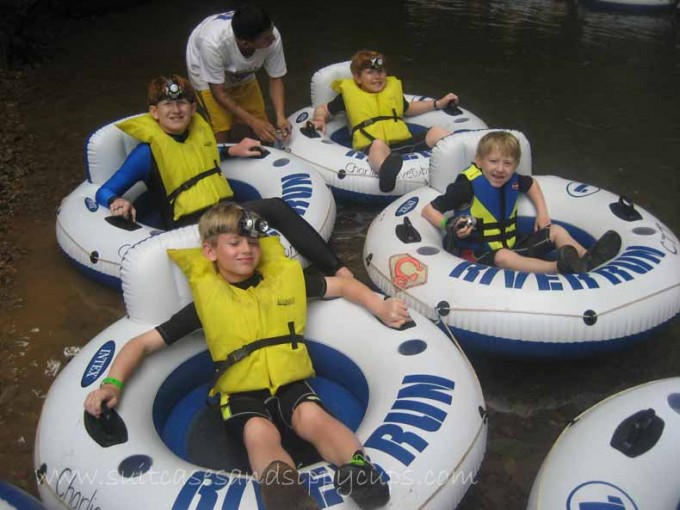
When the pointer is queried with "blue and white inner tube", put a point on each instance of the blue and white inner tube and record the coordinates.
(96, 242)
(411, 396)
(14, 498)
(637, 5)
(621, 454)
(522, 314)
(346, 170)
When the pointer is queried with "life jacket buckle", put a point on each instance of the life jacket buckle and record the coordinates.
(237, 355)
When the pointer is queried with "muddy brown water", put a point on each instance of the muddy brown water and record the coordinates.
(596, 92)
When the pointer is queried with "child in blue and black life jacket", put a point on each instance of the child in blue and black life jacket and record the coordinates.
(376, 107)
(483, 228)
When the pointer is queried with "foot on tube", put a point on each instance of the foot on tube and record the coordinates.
(360, 480)
(604, 249)
(568, 260)
(281, 489)
(387, 175)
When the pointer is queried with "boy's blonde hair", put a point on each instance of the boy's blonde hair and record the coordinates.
(506, 143)
(363, 59)
(221, 218)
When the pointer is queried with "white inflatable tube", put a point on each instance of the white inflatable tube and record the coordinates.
(347, 171)
(621, 454)
(14, 498)
(523, 314)
(96, 244)
(411, 396)
(637, 4)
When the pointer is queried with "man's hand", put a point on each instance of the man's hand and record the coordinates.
(285, 127)
(263, 130)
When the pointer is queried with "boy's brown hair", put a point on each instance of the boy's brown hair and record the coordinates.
(505, 142)
(366, 59)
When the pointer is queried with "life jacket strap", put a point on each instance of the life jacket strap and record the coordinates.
(507, 229)
(496, 225)
(368, 122)
(243, 352)
(192, 182)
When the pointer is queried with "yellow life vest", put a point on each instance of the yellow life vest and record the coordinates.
(497, 228)
(190, 170)
(374, 115)
(233, 317)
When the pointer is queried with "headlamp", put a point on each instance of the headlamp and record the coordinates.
(376, 63)
(252, 225)
(173, 90)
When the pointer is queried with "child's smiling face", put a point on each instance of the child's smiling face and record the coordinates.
(236, 256)
(496, 167)
(371, 80)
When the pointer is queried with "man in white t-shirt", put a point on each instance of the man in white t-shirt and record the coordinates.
(223, 54)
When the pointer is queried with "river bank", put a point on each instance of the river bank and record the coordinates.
(14, 155)
(17, 164)
(30, 32)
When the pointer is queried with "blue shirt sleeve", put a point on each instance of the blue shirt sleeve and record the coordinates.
(137, 167)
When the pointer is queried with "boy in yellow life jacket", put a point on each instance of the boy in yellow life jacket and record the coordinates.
(376, 107)
(237, 281)
(483, 228)
(178, 161)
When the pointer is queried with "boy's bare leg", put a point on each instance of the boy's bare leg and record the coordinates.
(377, 153)
(263, 444)
(355, 477)
(508, 259)
(386, 163)
(331, 438)
(560, 237)
(434, 134)
(280, 484)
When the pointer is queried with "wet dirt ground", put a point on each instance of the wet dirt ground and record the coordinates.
(98, 73)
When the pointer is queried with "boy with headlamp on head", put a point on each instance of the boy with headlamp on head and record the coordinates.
(178, 160)
(263, 356)
(376, 108)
